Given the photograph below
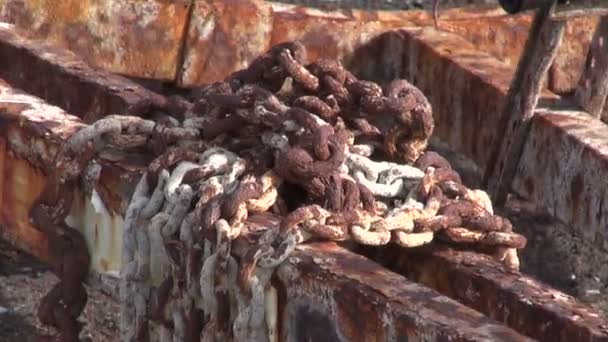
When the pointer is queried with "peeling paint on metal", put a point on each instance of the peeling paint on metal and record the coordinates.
(240, 31)
(102, 232)
(225, 36)
(570, 59)
(21, 186)
(30, 132)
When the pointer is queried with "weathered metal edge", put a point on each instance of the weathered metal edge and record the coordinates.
(476, 280)
(330, 294)
(24, 60)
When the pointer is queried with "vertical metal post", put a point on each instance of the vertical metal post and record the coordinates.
(593, 86)
(540, 49)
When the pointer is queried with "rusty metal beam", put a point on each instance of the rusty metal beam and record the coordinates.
(518, 110)
(66, 79)
(478, 281)
(579, 8)
(331, 294)
(593, 86)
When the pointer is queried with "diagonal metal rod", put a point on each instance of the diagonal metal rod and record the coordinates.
(518, 110)
(593, 86)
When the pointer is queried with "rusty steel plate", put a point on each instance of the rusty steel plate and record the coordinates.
(564, 166)
(136, 38)
(196, 40)
(61, 78)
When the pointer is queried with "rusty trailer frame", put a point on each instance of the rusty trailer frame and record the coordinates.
(47, 93)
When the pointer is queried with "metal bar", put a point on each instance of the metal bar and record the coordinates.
(562, 10)
(543, 40)
(579, 8)
(526, 305)
(66, 78)
(330, 294)
(593, 86)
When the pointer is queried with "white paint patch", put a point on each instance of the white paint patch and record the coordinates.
(5, 25)
(98, 205)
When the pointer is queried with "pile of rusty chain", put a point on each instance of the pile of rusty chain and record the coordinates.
(277, 154)
(75, 163)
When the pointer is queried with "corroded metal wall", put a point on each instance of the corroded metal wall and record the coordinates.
(193, 42)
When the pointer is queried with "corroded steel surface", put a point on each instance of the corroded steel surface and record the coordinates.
(68, 82)
(225, 36)
(30, 133)
(570, 59)
(137, 38)
(202, 42)
(222, 37)
(503, 36)
(563, 168)
(331, 294)
(526, 305)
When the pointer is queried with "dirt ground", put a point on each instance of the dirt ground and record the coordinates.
(24, 281)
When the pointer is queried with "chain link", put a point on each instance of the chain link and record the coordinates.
(278, 154)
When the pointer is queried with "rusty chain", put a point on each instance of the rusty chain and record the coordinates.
(277, 154)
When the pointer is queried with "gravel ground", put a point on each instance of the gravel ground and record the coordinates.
(24, 281)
